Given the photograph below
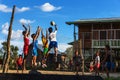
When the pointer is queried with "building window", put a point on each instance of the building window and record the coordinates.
(102, 34)
(87, 35)
(95, 35)
(117, 34)
(111, 34)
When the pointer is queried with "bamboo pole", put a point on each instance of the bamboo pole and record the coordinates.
(6, 65)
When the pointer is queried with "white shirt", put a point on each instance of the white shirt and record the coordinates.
(97, 59)
(52, 36)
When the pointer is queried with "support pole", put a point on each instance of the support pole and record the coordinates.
(6, 65)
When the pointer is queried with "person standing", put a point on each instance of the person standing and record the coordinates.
(26, 34)
(76, 61)
(107, 60)
(97, 63)
(19, 63)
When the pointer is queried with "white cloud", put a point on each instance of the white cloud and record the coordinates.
(19, 44)
(25, 21)
(22, 9)
(5, 8)
(62, 46)
(47, 7)
(5, 28)
(16, 35)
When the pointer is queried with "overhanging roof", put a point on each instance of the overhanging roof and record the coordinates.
(97, 20)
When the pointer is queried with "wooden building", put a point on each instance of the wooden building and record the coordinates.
(94, 34)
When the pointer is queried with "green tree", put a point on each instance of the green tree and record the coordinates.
(69, 52)
(14, 53)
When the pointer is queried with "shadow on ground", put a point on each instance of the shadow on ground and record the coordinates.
(34, 75)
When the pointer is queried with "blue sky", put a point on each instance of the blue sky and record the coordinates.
(41, 12)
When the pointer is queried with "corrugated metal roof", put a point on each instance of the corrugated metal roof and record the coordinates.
(97, 20)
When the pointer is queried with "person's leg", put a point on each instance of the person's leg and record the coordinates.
(34, 60)
(17, 69)
(107, 72)
(95, 69)
(107, 68)
(77, 69)
(24, 63)
(56, 51)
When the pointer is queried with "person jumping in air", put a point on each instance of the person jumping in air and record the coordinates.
(26, 34)
(53, 41)
(45, 46)
(35, 46)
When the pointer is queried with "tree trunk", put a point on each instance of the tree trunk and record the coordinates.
(6, 65)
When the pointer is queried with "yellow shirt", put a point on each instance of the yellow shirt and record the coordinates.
(45, 42)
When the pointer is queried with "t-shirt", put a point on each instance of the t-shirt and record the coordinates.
(19, 61)
(52, 36)
(77, 59)
(97, 60)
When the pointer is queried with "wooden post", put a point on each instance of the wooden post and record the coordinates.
(6, 65)
(81, 54)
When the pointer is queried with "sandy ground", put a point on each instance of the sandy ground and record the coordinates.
(64, 73)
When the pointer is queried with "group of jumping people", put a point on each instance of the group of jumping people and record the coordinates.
(49, 41)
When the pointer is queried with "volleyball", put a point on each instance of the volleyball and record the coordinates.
(52, 23)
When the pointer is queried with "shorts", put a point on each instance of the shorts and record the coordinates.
(19, 67)
(53, 44)
(34, 53)
(91, 68)
(77, 64)
(45, 51)
(97, 66)
(108, 65)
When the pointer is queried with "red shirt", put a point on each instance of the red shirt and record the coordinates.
(19, 61)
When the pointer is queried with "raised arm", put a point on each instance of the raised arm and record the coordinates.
(47, 34)
(42, 32)
(56, 27)
(28, 29)
(37, 32)
(24, 27)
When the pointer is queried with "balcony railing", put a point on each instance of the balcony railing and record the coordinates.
(101, 43)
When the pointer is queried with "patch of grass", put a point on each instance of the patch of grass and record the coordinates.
(112, 78)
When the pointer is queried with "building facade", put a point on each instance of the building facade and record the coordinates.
(94, 34)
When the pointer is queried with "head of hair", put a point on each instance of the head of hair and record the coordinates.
(24, 32)
(107, 47)
(50, 29)
(32, 35)
(76, 52)
(20, 55)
